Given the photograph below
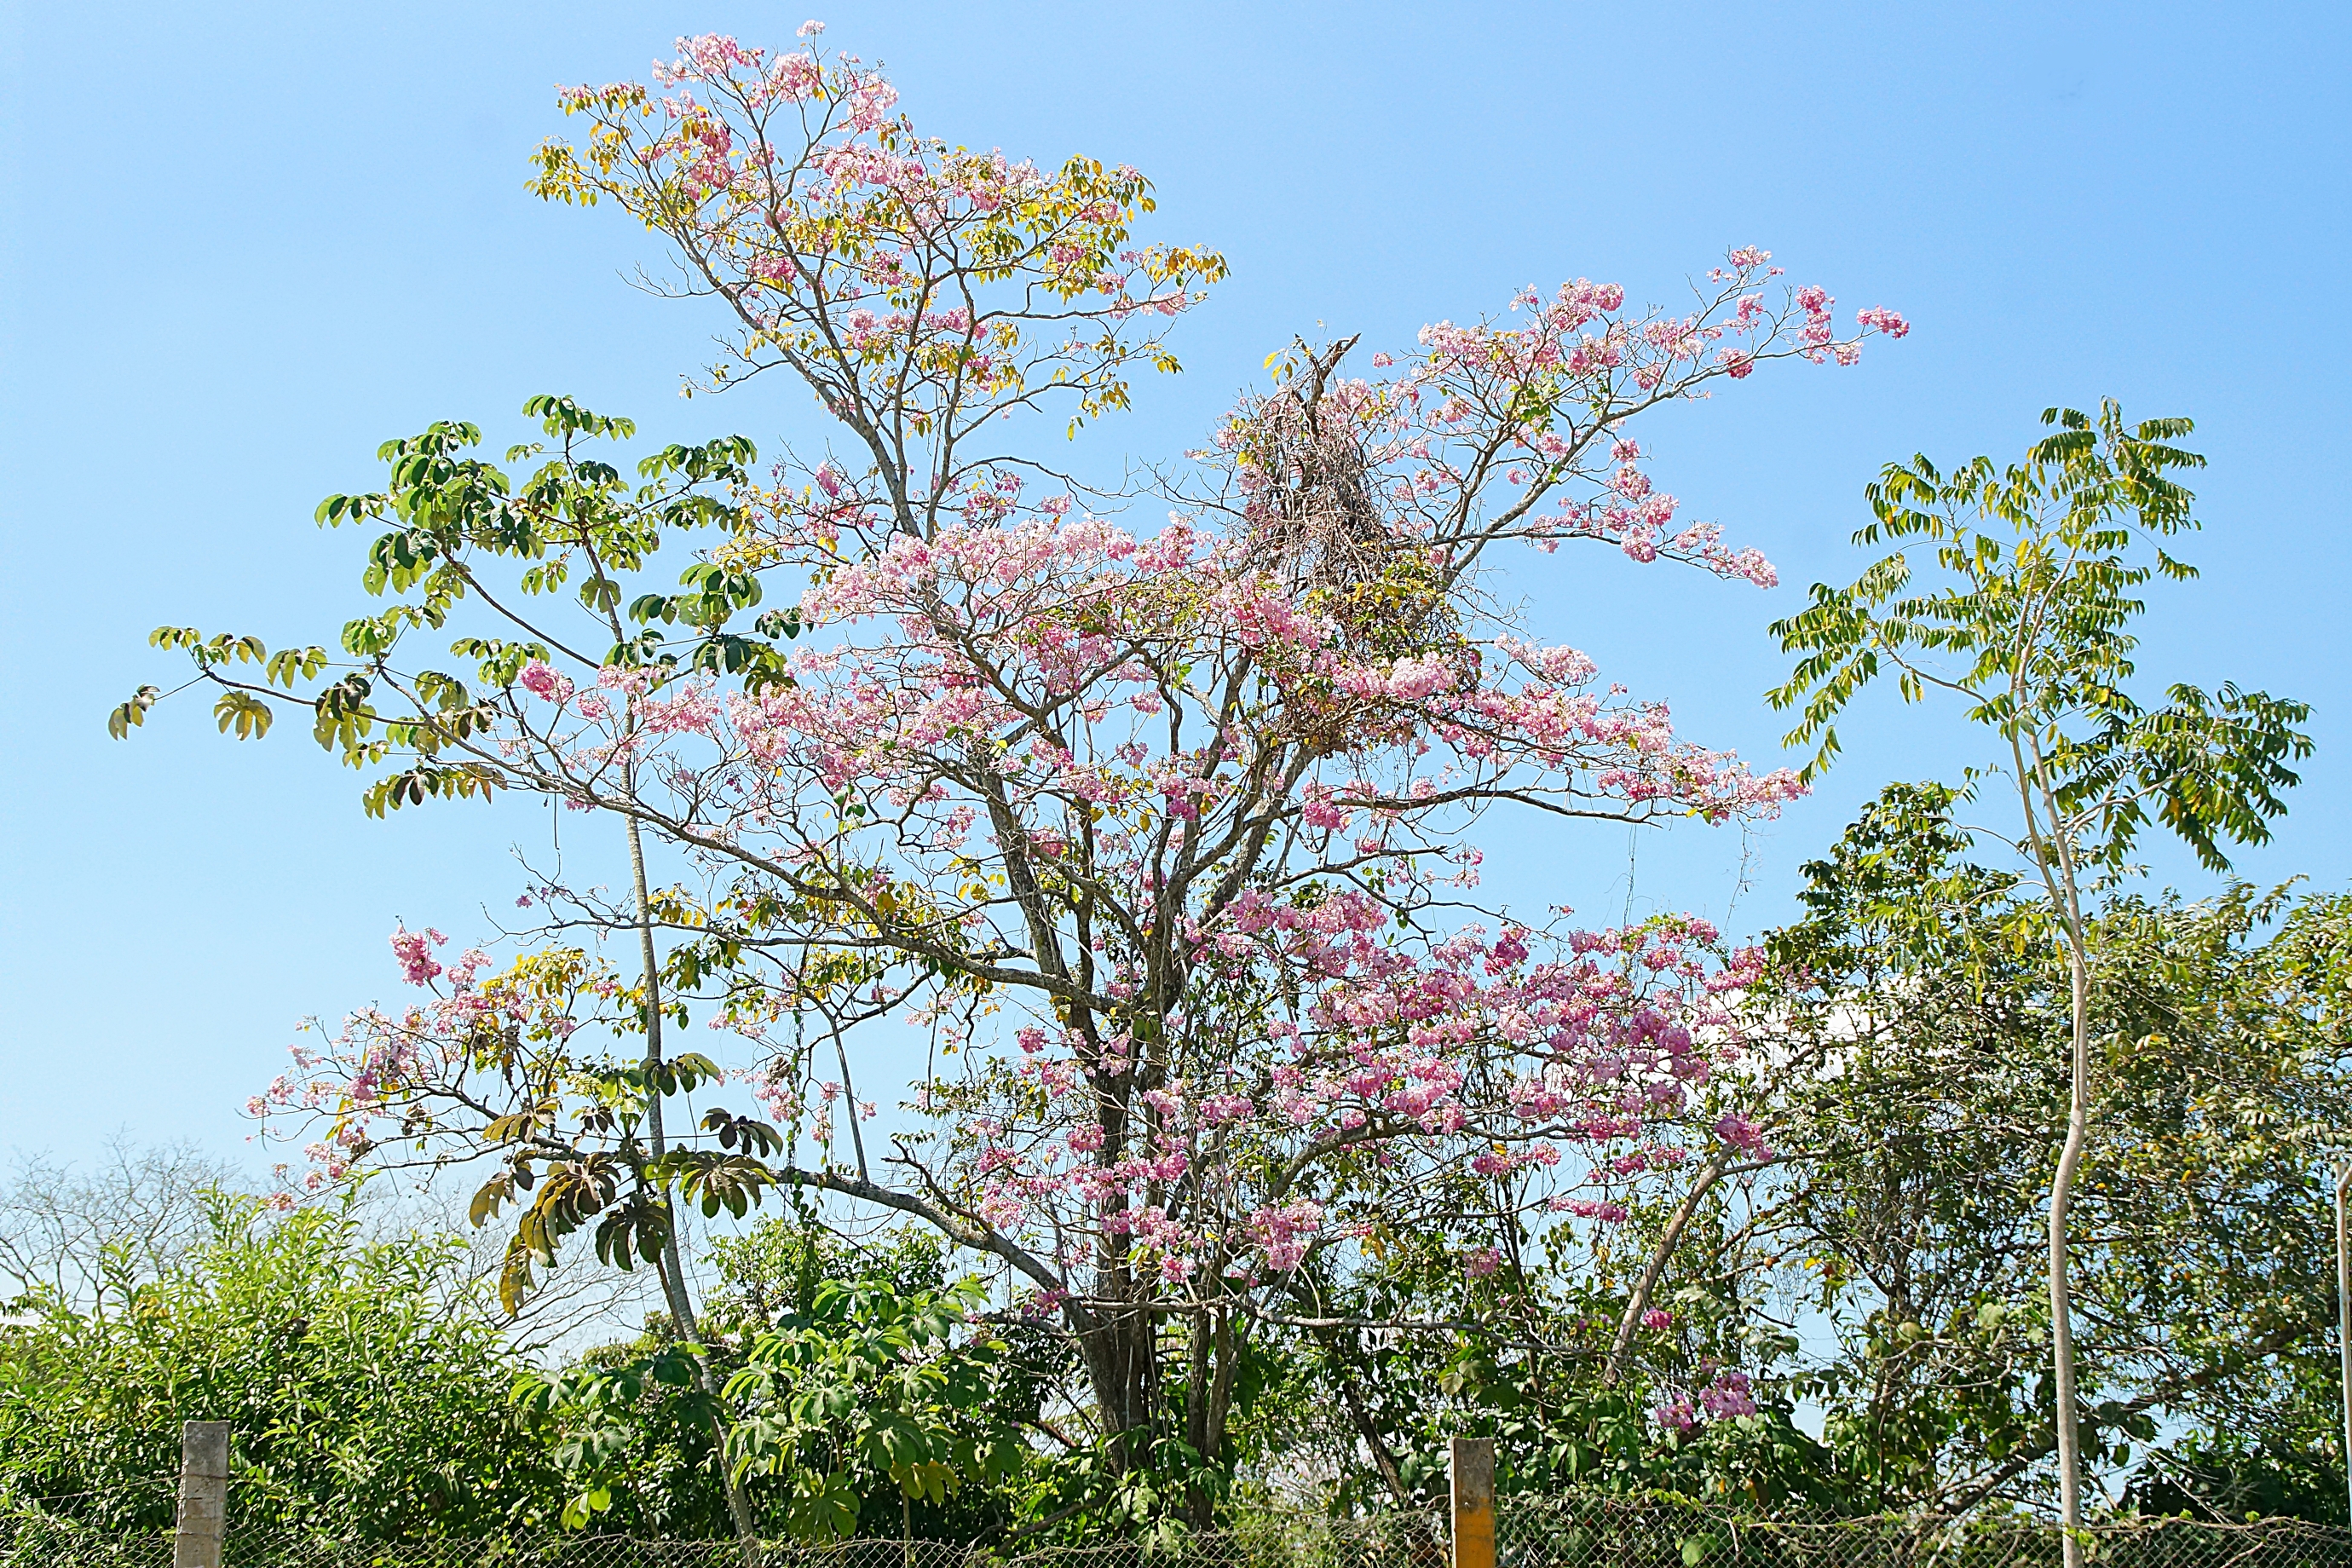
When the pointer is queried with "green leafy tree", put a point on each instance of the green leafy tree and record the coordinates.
(634, 1436)
(872, 1392)
(2023, 614)
(363, 1381)
(863, 1395)
(1941, 1005)
(594, 1128)
(1911, 1226)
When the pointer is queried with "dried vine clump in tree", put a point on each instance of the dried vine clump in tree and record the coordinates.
(1315, 519)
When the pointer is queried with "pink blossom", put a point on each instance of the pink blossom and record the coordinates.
(1728, 1395)
(1884, 320)
(1742, 1134)
(540, 680)
(416, 964)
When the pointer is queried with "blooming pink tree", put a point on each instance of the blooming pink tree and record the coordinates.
(1161, 835)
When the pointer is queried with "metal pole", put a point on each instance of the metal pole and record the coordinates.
(204, 1495)
(2344, 1322)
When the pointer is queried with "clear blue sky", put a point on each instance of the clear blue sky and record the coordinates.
(242, 244)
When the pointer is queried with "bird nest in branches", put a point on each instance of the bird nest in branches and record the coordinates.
(1316, 524)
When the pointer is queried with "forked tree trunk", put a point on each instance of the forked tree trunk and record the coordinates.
(1119, 1355)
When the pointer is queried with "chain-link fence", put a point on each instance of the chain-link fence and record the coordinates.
(29, 1540)
(1615, 1533)
(1556, 1533)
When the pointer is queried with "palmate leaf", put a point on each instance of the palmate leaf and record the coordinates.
(716, 1181)
(290, 665)
(637, 1228)
(756, 1136)
(568, 1194)
(490, 1198)
(414, 787)
(823, 1507)
(243, 714)
(134, 713)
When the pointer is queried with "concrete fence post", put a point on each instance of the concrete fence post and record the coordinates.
(1474, 1502)
(204, 1495)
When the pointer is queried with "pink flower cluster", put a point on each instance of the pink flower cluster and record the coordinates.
(1428, 434)
(381, 1074)
(1594, 1051)
(415, 951)
(1727, 1396)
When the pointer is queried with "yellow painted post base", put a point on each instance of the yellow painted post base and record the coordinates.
(1474, 1502)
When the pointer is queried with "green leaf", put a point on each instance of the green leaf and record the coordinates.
(244, 714)
(134, 713)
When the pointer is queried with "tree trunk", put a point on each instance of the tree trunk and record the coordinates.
(1367, 1429)
(2061, 1197)
(2053, 857)
(1199, 1507)
(1208, 1399)
(670, 1266)
(1118, 1349)
(1620, 1348)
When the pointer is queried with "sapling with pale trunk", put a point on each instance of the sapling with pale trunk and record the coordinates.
(2022, 614)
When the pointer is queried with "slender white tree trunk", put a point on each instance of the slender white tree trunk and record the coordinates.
(2053, 857)
(2344, 1316)
(2061, 1197)
(670, 1266)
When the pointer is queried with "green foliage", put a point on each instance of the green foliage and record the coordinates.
(863, 1395)
(1916, 1222)
(1521, 1358)
(2233, 1476)
(364, 1381)
(2040, 567)
(866, 1386)
(494, 567)
(445, 513)
(635, 1438)
(777, 1266)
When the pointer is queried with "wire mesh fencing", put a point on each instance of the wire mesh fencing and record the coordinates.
(36, 1540)
(1530, 1533)
(1611, 1533)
